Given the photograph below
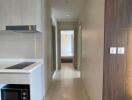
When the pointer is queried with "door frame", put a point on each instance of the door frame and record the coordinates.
(53, 49)
(75, 47)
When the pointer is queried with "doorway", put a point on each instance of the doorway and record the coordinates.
(67, 46)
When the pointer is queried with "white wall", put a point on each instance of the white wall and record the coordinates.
(67, 43)
(92, 20)
(66, 25)
(47, 45)
(20, 45)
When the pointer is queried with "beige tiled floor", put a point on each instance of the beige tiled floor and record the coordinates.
(67, 85)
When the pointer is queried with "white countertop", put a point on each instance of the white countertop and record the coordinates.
(4, 63)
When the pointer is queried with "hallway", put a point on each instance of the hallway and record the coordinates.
(67, 85)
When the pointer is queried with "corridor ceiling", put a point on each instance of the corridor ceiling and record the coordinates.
(67, 10)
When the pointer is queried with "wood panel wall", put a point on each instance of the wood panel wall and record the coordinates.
(118, 34)
(129, 55)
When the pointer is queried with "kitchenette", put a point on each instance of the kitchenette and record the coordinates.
(25, 44)
(21, 64)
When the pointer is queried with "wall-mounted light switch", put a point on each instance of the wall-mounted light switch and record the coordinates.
(121, 50)
(113, 50)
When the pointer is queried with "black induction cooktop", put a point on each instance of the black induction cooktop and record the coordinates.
(20, 65)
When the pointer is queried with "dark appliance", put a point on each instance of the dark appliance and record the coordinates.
(21, 65)
(23, 28)
(15, 92)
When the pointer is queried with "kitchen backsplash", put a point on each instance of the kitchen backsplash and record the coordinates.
(20, 45)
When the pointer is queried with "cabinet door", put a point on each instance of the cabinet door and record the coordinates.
(28, 12)
(10, 12)
(19, 12)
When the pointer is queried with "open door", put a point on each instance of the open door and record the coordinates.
(67, 46)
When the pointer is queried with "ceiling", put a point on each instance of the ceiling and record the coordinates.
(67, 10)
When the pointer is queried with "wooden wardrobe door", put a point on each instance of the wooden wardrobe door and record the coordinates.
(116, 35)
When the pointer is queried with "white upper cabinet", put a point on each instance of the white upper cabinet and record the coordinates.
(20, 12)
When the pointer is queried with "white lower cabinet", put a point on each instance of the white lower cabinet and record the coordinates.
(33, 79)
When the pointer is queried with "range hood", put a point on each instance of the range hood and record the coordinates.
(22, 28)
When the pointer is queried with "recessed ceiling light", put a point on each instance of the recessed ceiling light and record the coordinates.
(67, 15)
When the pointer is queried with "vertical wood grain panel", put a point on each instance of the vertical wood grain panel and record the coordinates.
(116, 34)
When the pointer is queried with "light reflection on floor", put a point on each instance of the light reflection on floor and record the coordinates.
(67, 85)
